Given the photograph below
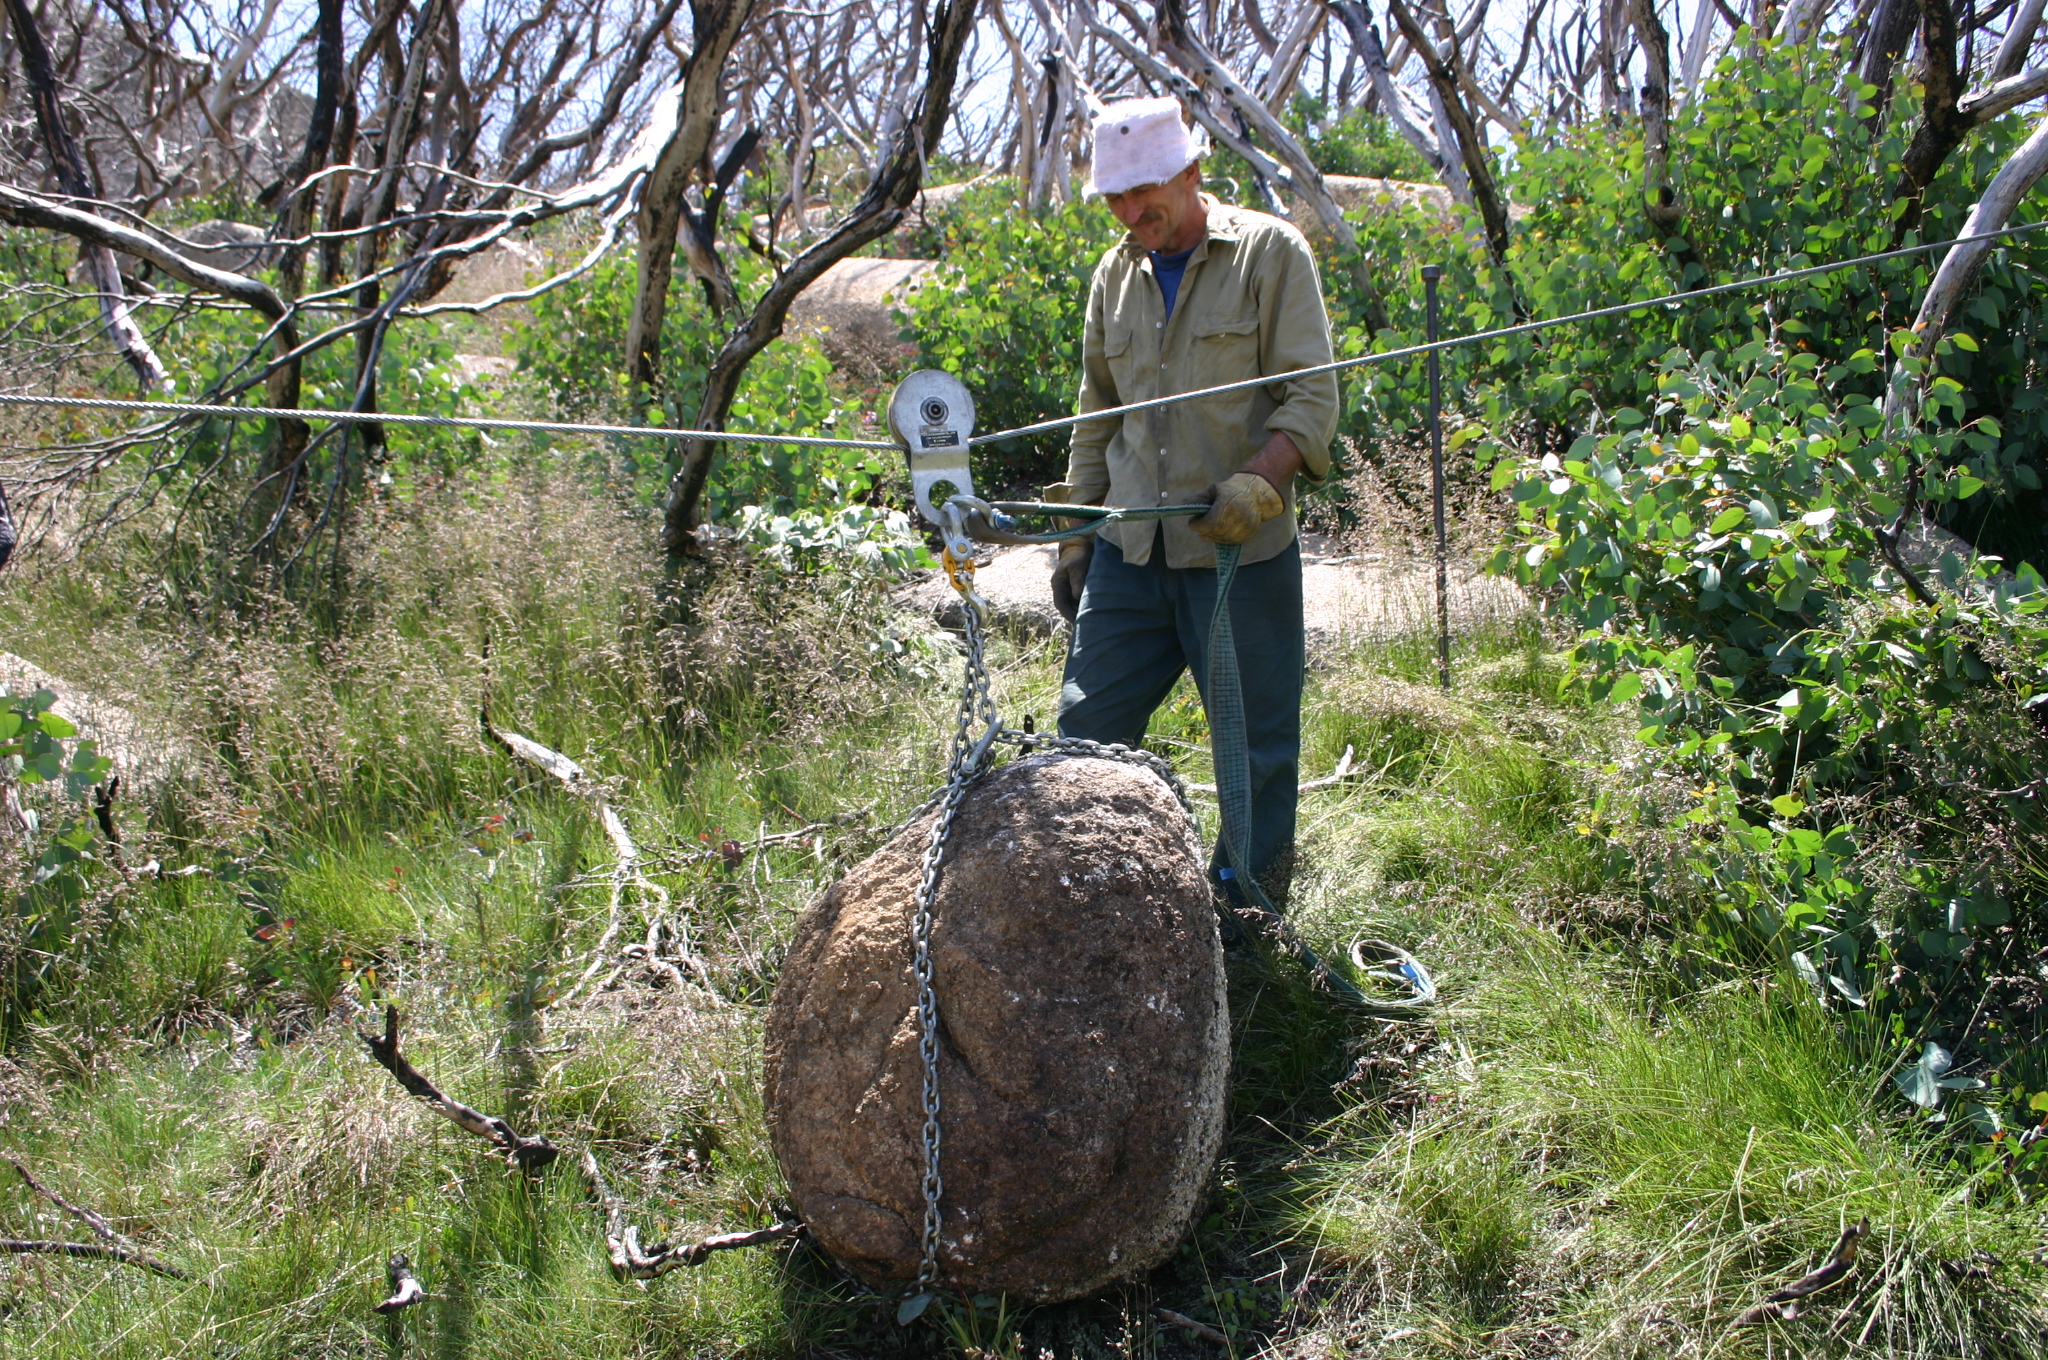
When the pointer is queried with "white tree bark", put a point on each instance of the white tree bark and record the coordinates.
(1451, 167)
(2005, 96)
(1282, 71)
(2018, 41)
(221, 106)
(1800, 21)
(1959, 268)
(1696, 50)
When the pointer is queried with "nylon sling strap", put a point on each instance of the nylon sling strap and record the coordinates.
(1230, 747)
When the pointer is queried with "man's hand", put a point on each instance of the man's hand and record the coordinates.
(1237, 507)
(1241, 503)
(1071, 575)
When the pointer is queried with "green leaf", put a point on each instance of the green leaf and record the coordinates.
(1725, 521)
(912, 1308)
(1626, 688)
(57, 725)
(1920, 1082)
(1968, 486)
(1964, 340)
(1785, 805)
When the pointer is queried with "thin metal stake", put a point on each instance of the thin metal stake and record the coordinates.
(1430, 274)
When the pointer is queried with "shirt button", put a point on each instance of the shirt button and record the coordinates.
(1162, 498)
(1159, 325)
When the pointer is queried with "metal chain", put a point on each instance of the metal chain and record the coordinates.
(968, 762)
(968, 756)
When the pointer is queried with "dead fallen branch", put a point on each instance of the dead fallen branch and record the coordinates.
(626, 870)
(528, 1154)
(732, 850)
(1188, 1324)
(622, 1240)
(1784, 1304)
(103, 797)
(666, 942)
(115, 1246)
(631, 1261)
(92, 1251)
(406, 1289)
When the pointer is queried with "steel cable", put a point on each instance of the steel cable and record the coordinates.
(1524, 328)
(178, 410)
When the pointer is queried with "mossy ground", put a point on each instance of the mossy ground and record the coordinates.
(1594, 1148)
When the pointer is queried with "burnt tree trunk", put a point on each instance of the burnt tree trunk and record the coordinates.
(716, 26)
(1943, 124)
(888, 197)
(75, 179)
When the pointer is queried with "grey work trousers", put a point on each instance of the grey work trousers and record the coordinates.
(1139, 627)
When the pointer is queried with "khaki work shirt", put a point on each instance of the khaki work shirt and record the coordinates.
(1250, 303)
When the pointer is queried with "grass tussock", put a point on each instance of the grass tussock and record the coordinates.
(1595, 1148)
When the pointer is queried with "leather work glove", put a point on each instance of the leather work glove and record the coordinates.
(1071, 574)
(1238, 505)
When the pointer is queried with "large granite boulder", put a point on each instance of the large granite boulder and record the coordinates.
(1084, 1048)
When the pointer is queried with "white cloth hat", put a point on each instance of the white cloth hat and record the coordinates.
(1140, 142)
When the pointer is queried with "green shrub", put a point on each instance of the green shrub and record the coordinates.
(1359, 143)
(46, 775)
(1721, 557)
(1006, 311)
(574, 348)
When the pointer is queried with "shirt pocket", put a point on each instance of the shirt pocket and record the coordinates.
(1225, 349)
(1116, 352)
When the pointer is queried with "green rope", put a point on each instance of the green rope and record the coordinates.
(1230, 747)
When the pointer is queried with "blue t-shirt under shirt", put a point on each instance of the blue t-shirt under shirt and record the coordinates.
(1168, 269)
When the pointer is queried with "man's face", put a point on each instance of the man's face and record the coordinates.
(1168, 217)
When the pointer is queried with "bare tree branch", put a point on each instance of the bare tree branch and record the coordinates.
(631, 1261)
(91, 1251)
(1365, 40)
(527, 1153)
(1471, 145)
(688, 120)
(74, 177)
(889, 194)
(2011, 57)
(114, 1246)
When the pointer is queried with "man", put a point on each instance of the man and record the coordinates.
(1198, 294)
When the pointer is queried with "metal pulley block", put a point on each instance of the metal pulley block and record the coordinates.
(932, 417)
